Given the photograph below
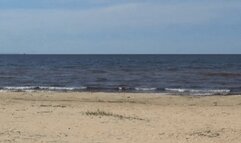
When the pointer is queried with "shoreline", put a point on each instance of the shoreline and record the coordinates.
(146, 97)
(162, 93)
(118, 117)
(119, 89)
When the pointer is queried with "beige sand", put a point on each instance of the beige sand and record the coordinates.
(118, 118)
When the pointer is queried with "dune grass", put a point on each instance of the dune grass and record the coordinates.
(109, 114)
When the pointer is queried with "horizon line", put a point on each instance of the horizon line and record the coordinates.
(122, 54)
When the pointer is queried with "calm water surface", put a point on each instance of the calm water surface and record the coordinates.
(196, 74)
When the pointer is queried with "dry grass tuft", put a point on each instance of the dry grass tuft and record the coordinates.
(109, 114)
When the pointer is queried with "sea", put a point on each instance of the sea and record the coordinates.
(177, 74)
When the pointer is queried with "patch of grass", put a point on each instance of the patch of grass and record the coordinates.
(206, 133)
(109, 114)
(60, 106)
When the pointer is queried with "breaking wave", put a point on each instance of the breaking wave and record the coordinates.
(181, 91)
(44, 88)
(199, 91)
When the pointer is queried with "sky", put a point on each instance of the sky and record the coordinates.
(120, 27)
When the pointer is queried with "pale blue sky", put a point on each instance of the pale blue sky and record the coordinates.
(123, 26)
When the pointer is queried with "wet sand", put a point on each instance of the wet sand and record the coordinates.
(118, 118)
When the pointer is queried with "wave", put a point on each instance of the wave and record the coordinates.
(223, 74)
(145, 89)
(181, 91)
(19, 88)
(35, 88)
(89, 88)
(199, 91)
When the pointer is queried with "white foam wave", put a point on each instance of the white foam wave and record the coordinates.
(145, 89)
(34, 88)
(199, 92)
(57, 88)
(19, 88)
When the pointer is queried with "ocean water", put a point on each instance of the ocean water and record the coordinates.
(182, 74)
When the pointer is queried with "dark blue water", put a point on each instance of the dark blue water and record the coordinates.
(219, 74)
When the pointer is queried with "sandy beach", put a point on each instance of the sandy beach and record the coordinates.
(118, 118)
